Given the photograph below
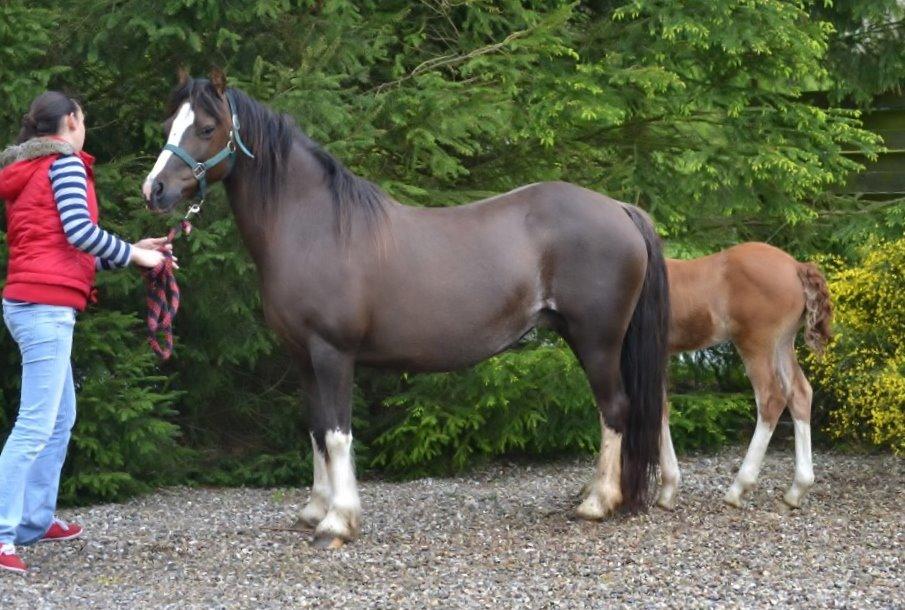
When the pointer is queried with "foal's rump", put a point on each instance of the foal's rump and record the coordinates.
(751, 292)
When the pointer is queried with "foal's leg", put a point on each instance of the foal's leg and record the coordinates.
(331, 430)
(800, 407)
(604, 494)
(669, 465)
(771, 400)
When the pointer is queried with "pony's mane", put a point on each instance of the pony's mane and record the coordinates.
(270, 136)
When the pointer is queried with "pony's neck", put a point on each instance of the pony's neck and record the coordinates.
(293, 189)
(303, 201)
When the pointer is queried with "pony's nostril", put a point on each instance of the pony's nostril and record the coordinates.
(157, 188)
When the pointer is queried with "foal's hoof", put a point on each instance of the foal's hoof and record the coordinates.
(328, 542)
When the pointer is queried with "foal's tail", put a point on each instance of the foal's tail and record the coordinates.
(818, 309)
(643, 364)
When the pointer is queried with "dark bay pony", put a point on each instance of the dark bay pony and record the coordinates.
(350, 276)
(758, 297)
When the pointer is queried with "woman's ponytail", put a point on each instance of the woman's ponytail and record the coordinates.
(28, 128)
(44, 115)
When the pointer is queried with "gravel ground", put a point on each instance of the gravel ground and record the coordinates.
(500, 537)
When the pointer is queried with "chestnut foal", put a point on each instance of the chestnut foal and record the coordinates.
(756, 296)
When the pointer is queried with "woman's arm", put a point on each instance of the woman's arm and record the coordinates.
(70, 189)
(102, 264)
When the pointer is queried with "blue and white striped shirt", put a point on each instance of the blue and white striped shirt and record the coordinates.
(70, 191)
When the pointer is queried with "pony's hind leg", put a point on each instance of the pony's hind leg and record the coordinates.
(771, 396)
(604, 493)
(800, 407)
(669, 465)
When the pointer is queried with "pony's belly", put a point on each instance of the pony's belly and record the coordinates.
(448, 323)
(443, 350)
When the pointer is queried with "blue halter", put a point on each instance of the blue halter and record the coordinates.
(199, 169)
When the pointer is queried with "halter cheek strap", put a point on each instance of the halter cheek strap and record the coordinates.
(199, 168)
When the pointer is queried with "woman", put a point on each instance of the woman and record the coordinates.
(55, 246)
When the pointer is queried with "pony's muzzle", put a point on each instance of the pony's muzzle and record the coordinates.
(159, 197)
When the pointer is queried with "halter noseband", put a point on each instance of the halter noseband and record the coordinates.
(199, 169)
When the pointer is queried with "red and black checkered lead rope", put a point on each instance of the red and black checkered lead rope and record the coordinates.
(163, 298)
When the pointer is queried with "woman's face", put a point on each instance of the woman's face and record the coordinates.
(73, 128)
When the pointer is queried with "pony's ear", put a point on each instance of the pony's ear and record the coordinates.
(182, 76)
(218, 80)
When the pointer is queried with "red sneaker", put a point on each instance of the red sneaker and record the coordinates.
(60, 530)
(10, 561)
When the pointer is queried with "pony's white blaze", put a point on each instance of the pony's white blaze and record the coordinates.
(754, 459)
(804, 469)
(184, 119)
(342, 519)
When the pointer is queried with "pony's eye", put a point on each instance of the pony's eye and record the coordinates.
(206, 132)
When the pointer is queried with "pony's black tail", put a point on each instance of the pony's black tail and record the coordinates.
(644, 358)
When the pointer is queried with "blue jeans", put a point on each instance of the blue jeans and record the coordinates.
(35, 450)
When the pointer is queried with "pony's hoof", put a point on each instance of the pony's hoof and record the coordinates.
(591, 509)
(733, 498)
(328, 542)
(302, 525)
(336, 525)
(666, 501)
(792, 499)
(309, 518)
(313, 513)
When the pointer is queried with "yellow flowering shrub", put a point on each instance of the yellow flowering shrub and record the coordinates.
(862, 375)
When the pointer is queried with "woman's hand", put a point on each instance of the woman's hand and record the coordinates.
(155, 243)
(144, 257)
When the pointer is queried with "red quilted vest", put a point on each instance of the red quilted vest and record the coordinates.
(43, 266)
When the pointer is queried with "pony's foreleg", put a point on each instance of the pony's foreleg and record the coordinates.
(319, 501)
(321, 492)
(768, 392)
(669, 466)
(342, 519)
(800, 406)
(331, 430)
